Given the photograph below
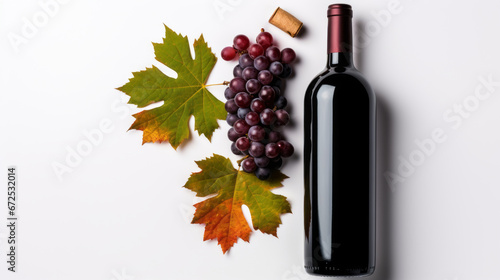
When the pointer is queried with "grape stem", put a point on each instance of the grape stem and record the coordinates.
(241, 160)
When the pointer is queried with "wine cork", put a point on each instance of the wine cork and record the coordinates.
(286, 22)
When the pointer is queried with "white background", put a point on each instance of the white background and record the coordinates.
(122, 213)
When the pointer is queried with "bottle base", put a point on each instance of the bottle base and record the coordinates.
(341, 272)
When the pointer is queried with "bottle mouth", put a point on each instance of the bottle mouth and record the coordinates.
(339, 10)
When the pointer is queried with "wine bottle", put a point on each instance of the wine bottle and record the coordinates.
(339, 165)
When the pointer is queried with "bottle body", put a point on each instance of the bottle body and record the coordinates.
(339, 173)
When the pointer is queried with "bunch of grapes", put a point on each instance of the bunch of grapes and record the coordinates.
(255, 103)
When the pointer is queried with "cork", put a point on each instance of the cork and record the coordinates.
(286, 22)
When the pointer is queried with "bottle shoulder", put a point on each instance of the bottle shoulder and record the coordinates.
(342, 78)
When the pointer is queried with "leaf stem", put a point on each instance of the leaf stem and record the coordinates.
(225, 83)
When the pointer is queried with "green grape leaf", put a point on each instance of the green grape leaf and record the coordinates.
(183, 97)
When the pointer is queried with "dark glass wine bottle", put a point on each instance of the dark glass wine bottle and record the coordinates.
(339, 166)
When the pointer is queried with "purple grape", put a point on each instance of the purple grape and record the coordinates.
(257, 150)
(281, 102)
(257, 105)
(241, 42)
(267, 117)
(231, 118)
(287, 55)
(265, 39)
(256, 133)
(276, 163)
(249, 73)
(252, 118)
(253, 86)
(229, 94)
(248, 165)
(273, 136)
(276, 68)
(278, 82)
(242, 143)
(267, 93)
(231, 106)
(241, 126)
(261, 161)
(277, 90)
(255, 50)
(242, 112)
(286, 149)
(287, 71)
(265, 77)
(245, 61)
(263, 173)
(282, 117)
(237, 84)
(237, 71)
(261, 63)
(233, 135)
(272, 150)
(234, 149)
(273, 53)
(242, 100)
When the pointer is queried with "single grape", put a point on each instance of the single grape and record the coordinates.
(277, 82)
(265, 39)
(255, 50)
(282, 117)
(237, 71)
(249, 73)
(241, 126)
(237, 84)
(252, 118)
(263, 173)
(242, 99)
(277, 90)
(287, 71)
(261, 63)
(267, 93)
(242, 112)
(257, 105)
(245, 61)
(231, 106)
(273, 53)
(276, 163)
(228, 53)
(242, 143)
(261, 161)
(276, 68)
(231, 118)
(281, 102)
(257, 150)
(267, 117)
(229, 94)
(248, 165)
(253, 86)
(272, 150)
(256, 133)
(273, 136)
(287, 55)
(235, 150)
(241, 42)
(265, 77)
(286, 148)
(233, 135)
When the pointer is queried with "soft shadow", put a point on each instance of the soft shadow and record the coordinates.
(385, 153)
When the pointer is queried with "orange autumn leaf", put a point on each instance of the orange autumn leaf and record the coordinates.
(222, 214)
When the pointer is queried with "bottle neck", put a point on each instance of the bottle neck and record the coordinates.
(339, 59)
(339, 35)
